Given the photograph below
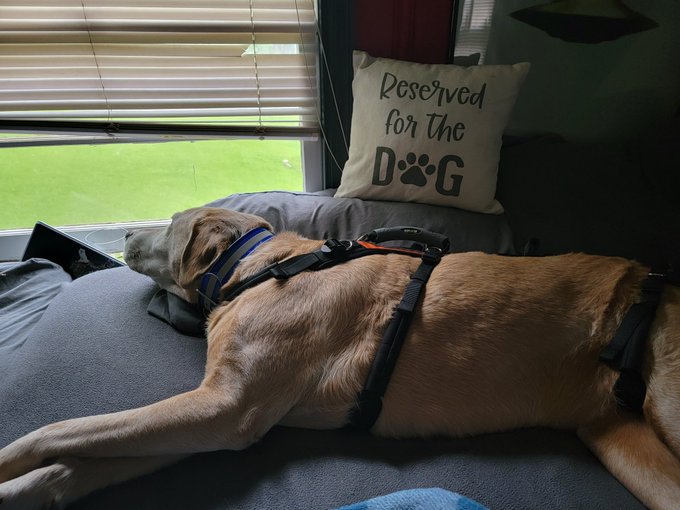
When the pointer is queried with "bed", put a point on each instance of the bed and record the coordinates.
(93, 348)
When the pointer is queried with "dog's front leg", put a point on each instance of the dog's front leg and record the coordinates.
(634, 454)
(205, 419)
(68, 479)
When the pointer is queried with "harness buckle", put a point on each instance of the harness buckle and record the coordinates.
(653, 285)
(278, 273)
(335, 246)
(432, 255)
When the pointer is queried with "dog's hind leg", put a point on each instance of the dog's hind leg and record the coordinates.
(67, 479)
(634, 454)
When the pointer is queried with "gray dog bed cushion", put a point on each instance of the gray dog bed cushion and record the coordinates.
(96, 350)
(321, 216)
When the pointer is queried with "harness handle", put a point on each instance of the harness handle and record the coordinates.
(405, 233)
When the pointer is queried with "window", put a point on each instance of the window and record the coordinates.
(473, 32)
(229, 86)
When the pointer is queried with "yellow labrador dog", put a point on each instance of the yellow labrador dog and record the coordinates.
(496, 343)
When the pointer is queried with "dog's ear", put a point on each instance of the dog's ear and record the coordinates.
(211, 235)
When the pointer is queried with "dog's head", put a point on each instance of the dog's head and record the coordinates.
(178, 255)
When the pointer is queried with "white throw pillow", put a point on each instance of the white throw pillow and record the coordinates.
(428, 133)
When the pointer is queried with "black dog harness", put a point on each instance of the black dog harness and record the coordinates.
(626, 351)
(333, 252)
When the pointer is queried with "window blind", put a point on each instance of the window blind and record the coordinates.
(474, 28)
(141, 69)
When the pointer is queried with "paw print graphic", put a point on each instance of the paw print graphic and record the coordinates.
(413, 174)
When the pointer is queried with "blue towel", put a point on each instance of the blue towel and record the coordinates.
(418, 499)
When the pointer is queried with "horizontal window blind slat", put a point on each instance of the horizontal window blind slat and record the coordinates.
(125, 55)
(167, 113)
(40, 26)
(162, 4)
(167, 134)
(49, 86)
(161, 73)
(75, 37)
(54, 89)
(235, 68)
(43, 60)
(29, 97)
(264, 60)
(51, 61)
(188, 12)
(115, 104)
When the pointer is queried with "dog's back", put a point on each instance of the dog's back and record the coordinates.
(497, 342)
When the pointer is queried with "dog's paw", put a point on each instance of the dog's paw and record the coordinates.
(14, 496)
(42, 488)
(12, 466)
(21, 456)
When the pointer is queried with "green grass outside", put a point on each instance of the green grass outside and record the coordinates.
(69, 185)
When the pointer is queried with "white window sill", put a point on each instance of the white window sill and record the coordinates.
(13, 242)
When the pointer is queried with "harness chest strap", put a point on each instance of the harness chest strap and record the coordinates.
(626, 351)
(369, 400)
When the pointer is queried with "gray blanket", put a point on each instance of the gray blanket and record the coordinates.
(26, 289)
(97, 350)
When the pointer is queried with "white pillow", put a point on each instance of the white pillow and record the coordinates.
(428, 133)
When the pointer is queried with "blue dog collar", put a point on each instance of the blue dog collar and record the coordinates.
(221, 271)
